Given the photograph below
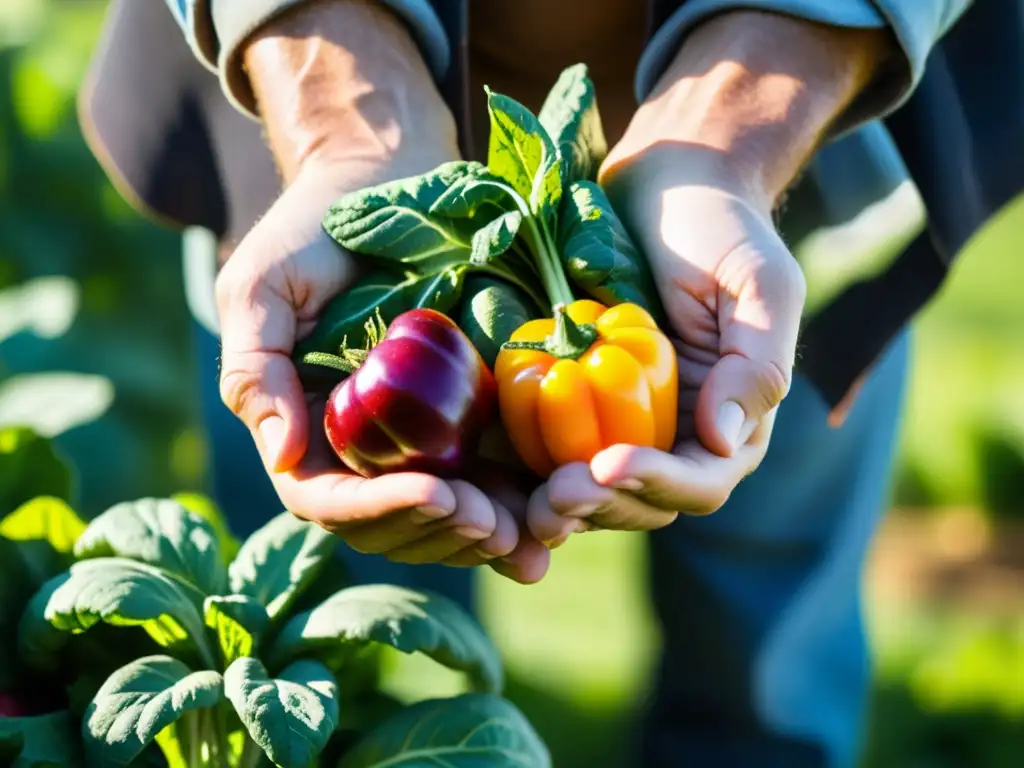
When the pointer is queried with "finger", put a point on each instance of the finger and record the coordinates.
(573, 491)
(390, 532)
(527, 564)
(546, 525)
(691, 480)
(339, 500)
(474, 520)
(500, 543)
(760, 306)
(258, 382)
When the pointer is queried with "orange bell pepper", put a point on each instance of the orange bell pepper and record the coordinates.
(589, 378)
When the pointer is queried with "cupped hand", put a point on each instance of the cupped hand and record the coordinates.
(270, 294)
(734, 296)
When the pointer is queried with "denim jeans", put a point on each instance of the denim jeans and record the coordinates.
(765, 662)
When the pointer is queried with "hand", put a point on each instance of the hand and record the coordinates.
(696, 177)
(270, 293)
(327, 141)
(734, 297)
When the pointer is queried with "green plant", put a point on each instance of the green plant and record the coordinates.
(224, 664)
(532, 221)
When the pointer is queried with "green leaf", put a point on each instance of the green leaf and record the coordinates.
(522, 153)
(345, 317)
(479, 196)
(290, 717)
(115, 591)
(408, 621)
(54, 402)
(599, 255)
(467, 731)
(571, 117)
(490, 312)
(205, 507)
(238, 621)
(279, 561)
(393, 221)
(45, 306)
(162, 533)
(46, 519)
(494, 239)
(138, 701)
(30, 466)
(46, 741)
(44, 531)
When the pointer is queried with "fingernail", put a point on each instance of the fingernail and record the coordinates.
(471, 533)
(428, 514)
(730, 421)
(272, 431)
(485, 555)
(556, 542)
(583, 510)
(628, 484)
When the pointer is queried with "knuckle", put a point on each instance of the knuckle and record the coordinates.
(773, 383)
(239, 390)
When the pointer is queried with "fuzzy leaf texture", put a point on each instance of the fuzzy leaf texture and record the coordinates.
(598, 254)
(205, 507)
(238, 622)
(492, 240)
(467, 731)
(162, 533)
(115, 591)
(392, 222)
(411, 622)
(138, 701)
(481, 196)
(276, 564)
(571, 117)
(344, 319)
(491, 311)
(522, 153)
(291, 717)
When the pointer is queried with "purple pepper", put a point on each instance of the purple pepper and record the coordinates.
(418, 403)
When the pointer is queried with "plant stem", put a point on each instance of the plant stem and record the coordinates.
(544, 255)
(551, 275)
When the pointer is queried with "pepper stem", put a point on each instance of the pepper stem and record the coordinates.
(569, 340)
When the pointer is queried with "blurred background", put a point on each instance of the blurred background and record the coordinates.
(94, 351)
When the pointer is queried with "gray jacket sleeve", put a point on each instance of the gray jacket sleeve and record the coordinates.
(916, 24)
(216, 30)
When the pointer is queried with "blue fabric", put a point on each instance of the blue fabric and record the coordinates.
(765, 660)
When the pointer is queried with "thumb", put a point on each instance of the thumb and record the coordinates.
(258, 380)
(759, 321)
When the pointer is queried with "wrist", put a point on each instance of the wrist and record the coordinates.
(343, 84)
(749, 98)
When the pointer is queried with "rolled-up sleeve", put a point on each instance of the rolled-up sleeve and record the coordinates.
(217, 29)
(916, 24)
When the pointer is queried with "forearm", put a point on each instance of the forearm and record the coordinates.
(754, 94)
(342, 82)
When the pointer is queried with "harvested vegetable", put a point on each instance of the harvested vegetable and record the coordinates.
(499, 247)
(588, 379)
(418, 400)
(426, 236)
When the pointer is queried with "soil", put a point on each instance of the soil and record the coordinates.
(951, 557)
